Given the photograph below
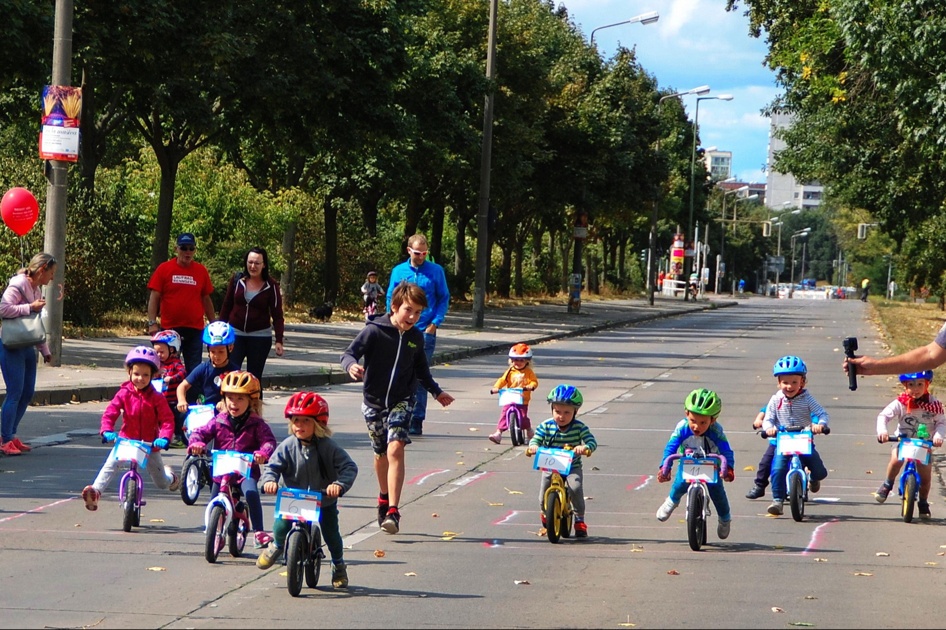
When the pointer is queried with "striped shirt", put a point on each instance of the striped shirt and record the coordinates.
(549, 435)
(799, 411)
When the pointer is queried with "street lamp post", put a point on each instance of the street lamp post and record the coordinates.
(791, 279)
(734, 206)
(651, 259)
(644, 18)
(696, 122)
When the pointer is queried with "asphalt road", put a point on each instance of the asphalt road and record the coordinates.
(469, 554)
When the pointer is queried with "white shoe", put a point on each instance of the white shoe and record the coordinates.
(666, 509)
(722, 529)
(175, 484)
(775, 509)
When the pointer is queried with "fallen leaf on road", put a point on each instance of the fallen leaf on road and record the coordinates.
(941, 553)
(810, 597)
(450, 535)
(673, 572)
(435, 515)
(542, 532)
(473, 429)
(512, 491)
(882, 554)
(378, 553)
(627, 624)
(157, 569)
(410, 574)
(863, 574)
(776, 609)
(748, 469)
(821, 559)
(459, 452)
(636, 548)
(80, 525)
(801, 623)
(156, 520)
(931, 564)
(870, 472)
(526, 582)
(489, 503)
(284, 574)
(596, 468)
(459, 463)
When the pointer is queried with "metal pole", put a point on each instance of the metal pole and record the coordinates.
(482, 222)
(696, 121)
(57, 188)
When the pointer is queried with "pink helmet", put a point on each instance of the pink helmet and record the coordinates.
(143, 354)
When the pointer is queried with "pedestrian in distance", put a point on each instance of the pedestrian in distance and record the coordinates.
(865, 289)
(430, 277)
(240, 427)
(394, 362)
(519, 375)
(207, 377)
(371, 291)
(22, 296)
(252, 305)
(564, 430)
(309, 459)
(915, 410)
(145, 416)
(793, 406)
(167, 345)
(180, 297)
(700, 431)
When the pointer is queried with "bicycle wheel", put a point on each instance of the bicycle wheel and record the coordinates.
(296, 550)
(236, 532)
(696, 521)
(313, 566)
(515, 431)
(216, 534)
(130, 506)
(796, 494)
(553, 516)
(909, 498)
(192, 480)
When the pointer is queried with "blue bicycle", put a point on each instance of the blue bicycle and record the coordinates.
(912, 451)
(796, 441)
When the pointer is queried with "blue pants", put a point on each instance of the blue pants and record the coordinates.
(780, 466)
(765, 467)
(328, 520)
(420, 394)
(716, 491)
(192, 346)
(255, 350)
(19, 373)
(253, 503)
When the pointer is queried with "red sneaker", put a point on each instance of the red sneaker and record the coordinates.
(581, 530)
(24, 448)
(9, 448)
(91, 497)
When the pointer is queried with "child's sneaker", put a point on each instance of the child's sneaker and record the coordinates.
(175, 480)
(339, 575)
(9, 448)
(722, 529)
(757, 492)
(881, 495)
(924, 508)
(542, 519)
(496, 438)
(666, 509)
(581, 529)
(776, 508)
(382, 511)
(262, 540)
(814, 485)
(91, 497)
(269, 557)
(392, 521)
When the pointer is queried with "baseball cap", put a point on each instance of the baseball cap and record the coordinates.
(186, 238)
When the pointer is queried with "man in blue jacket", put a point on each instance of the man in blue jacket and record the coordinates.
(430, 277)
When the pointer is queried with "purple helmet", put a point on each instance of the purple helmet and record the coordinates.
(143, 354)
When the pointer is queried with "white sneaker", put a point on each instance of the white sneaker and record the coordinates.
(666, 509)
(722, 529)
(775, 509)
(175, 484)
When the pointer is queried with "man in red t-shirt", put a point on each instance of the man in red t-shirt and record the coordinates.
(180, 292)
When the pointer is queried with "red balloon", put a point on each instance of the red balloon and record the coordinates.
(19, 210)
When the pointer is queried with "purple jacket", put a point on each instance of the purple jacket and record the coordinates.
(256, 437)
(265, 307)
(145, 414)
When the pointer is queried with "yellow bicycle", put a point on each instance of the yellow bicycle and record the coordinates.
(556, 502)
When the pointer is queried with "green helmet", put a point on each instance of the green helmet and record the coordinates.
(705, 402)
(567, 394)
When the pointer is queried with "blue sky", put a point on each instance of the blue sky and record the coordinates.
(694, 43)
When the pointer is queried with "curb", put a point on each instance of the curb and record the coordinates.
(322, 378)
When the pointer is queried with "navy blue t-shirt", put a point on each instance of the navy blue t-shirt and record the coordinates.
(205, 382)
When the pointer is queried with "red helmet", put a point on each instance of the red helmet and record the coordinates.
(307, 404)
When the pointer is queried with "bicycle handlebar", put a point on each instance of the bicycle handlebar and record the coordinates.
(668, 463)
(825, 430)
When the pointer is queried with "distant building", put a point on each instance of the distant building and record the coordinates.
(782, 188)
(718, 164)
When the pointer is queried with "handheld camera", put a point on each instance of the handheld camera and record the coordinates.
(850, 345)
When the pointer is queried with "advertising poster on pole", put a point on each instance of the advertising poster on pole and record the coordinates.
(676, 255)
(59, 138)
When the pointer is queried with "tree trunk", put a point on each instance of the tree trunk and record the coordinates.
(462, 268)
(518, 274)
(162, 228)
(435, 238)
(289, 253)
(502, 284)
(330, 280)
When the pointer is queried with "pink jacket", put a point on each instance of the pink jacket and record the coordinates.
(145, 414)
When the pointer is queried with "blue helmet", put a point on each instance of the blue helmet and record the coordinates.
(219, 334)
(789, 365)
(926, 375)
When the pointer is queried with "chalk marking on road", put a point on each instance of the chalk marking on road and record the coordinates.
(420, 479)
(37, 509)
(816, 537)
(509, 516)
(625, 396)
(643, 482)
(646, 385)
(360, 536)
(463, 482)
(599, 410)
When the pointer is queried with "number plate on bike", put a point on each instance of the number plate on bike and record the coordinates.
(158, 384)
(198, 416)
(788, 443)
(510, 396)
(298, 505)
(699, 469)
(231, 462)
(910, 448)
(557, 459)
(126, 450)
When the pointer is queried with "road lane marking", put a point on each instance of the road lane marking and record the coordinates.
(37, 509)
(421, 478)
(816, 537)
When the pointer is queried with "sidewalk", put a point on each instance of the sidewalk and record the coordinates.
(93, 368)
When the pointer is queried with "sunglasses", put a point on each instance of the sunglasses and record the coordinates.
(416, 252)
(186, 248)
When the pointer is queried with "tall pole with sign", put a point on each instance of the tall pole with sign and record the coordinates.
(574, 280)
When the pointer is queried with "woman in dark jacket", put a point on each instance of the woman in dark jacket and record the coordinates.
(253, 306)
